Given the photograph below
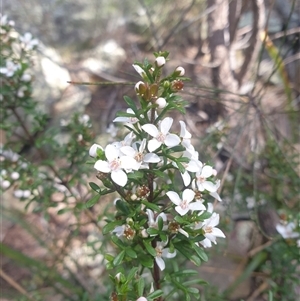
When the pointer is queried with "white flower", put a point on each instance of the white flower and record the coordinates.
(119, 230)
(28, 41)
(202, 183)
(161, 135)
(210, 231)
(160, 61)
(185, 204)
(131, 120)
(93, 150)
(161, 252)
(126, 142)
(26, 77)
(287, 231)
(139, 70)
(180, 70)
(116, 164)
(138, 154)
(5, 184)
(84, 119)
(21, 91)
(10, 68)
(15, 175)
(153, 223)
(194, 165)
(22, 193)
(161, 102)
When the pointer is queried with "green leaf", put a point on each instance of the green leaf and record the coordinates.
(95, 187)
(155, 294)
(160, 223)
(109, 257)
(119, 258)
(141, 286)
(149, 248)
(186, 250)
(122, 206)
(131, 274)
(130, 103)
(111, 226)
(146, 261)
(184, 273)
(200, 252)
(135, 175)
(118, 242)
(130, 252)
(92, 201)
(151, 206)
(152, 231)
(193, 290)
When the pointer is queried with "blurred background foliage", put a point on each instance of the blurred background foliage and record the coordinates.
(244, 63)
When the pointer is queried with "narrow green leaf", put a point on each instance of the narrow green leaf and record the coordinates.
(141, 286)
(135, 175)
(201, 253)
(184, 273)
(119, 258)
(131, 274)
(155, 294)
(92, 201)
(109, 257)
(95, 187)
(130, 103)
(130, 252)
(151, 206)
(146, 261)
(111, 226)
(149, 248)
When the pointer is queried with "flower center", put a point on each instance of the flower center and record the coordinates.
(139, 157)
(184, 204)
(161, 137)
(201, 179)
(115, 164)
(208, 230)
(158, 251)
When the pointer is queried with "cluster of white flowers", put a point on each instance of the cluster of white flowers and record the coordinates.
(145, 145)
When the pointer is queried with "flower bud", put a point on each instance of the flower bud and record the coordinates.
(179, 71)
(139, 70)
(161, 102)
(93, 150)
(160, 61)
(141, 299)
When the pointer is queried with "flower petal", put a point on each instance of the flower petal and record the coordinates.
(209, 186)
(151, 129)
(160, 262)
(165, 125)
(166, 253)
(207, 171)
(174, 197)
(151, 158)
(102, 166)
(188, 195)
(196, 206)
(119, 177)
(172, 140)
(186, 178)
(184, 133)
(153, 145)
(111, 152)
(182, 211)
